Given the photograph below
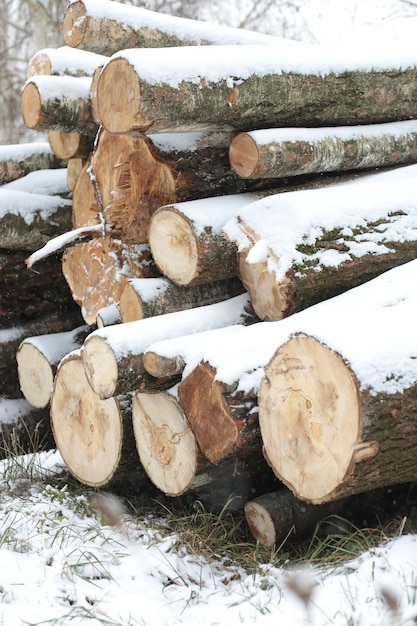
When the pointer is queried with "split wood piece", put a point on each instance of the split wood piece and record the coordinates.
(102, 27)
(60, 103)
(17, 160)
(360, 231)
(74, 168)
(277, 152)
(28, 295)
(278, 517)
(147, 297)
(187, 241)
(112, 356)
(85, 205)
(23, 429)
(37, 361)
(71, 145)
(137, 175)
(95, 437)
(200, 94)
(93, 95)
(28, 221)
(64, 61)
(109, 315)
(223, 420)
(97, 270)
(170, 357)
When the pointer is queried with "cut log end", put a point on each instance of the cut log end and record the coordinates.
(73, 24)
(243, 156)
(310, 418)
(87, 430)
(36, 377)
(164, 441)
(130, 305)
(260, 524)
(173, 246)
(31, 106)
(101, 367)
(118, 104)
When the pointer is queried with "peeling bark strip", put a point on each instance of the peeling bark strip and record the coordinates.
(197, 96)
(275, 153)
(106, 27)
(20, 159)
(60, 103)
(64, 61)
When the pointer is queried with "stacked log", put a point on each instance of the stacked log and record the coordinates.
(203, 226)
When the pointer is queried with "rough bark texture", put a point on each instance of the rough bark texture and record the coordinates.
(14, 168)
(324, 437)
(293, 100)
(23, 429)
(70, 145)
(135, 303)
(251, 158)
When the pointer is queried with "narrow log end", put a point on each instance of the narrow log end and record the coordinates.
(162, 367)
(130, 305)
(31, 106)
(244, 156)
(73, 24)
(35, 375)
(100, 364)
(39, 64)
(260, 524)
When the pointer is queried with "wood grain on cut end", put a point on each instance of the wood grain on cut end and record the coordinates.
(130, 304)
(165, 442)
(260, 524)
(36, 377)
(101, 369)
(87, 430)
(73, 24)
(243, 156)
(310, 417)
(31, 106)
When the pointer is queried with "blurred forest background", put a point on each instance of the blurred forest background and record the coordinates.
(27, 26)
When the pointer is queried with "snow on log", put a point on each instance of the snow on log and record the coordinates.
(64, 61)
(298, 248)
(97, 270)
(46, 182)
(17, 160)
(94, 436)
(23, 429)
(29, 220)
(109, 315)
(112, 356)
(146, 297)
(60, 103)
(277, 152)
(225, 87)
(105, 27)
(71, 145)
(38, 358)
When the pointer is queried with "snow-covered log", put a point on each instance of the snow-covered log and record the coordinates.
(147, 297)
(253, 87)
(112, 356)
(277, 152)
(71, 145)
(17, 160)
(105, 27)
(23, 429)
(108, 316)
(37, 361)
(298, 248)
(97, 270)
(64, 61)
(59, 103)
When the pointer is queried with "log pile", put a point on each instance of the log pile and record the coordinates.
(201, 219)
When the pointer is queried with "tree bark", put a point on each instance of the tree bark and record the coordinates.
(70, 145)
(112, 356)
(94, 437)
(18, 160)
(64, 61)
(23, 429)
(28, 221)
(38, 359)
(203, 96)
(60, 103)
(274, 153)
(100, 28)
(283, 276)
(147, 297)
(223, 420)
(97, 270)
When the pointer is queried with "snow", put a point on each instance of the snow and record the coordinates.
(66, 60)
(55, 244)
(46, 182)
(20, 152)
(29, 205)
(58, 87)
(55, 346)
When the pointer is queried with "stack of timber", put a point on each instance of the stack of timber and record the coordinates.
(241, 252)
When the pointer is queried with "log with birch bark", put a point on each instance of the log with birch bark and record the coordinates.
(277, 152)
(71, 145)
(112, 356)
(38, 358)
(64, 61)
(226, 87)
(60, 103)
(94, 436)
(97, 270)
(106, 27)
(302, 247)
(23, 429)
(17, 160)
(147, 297)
